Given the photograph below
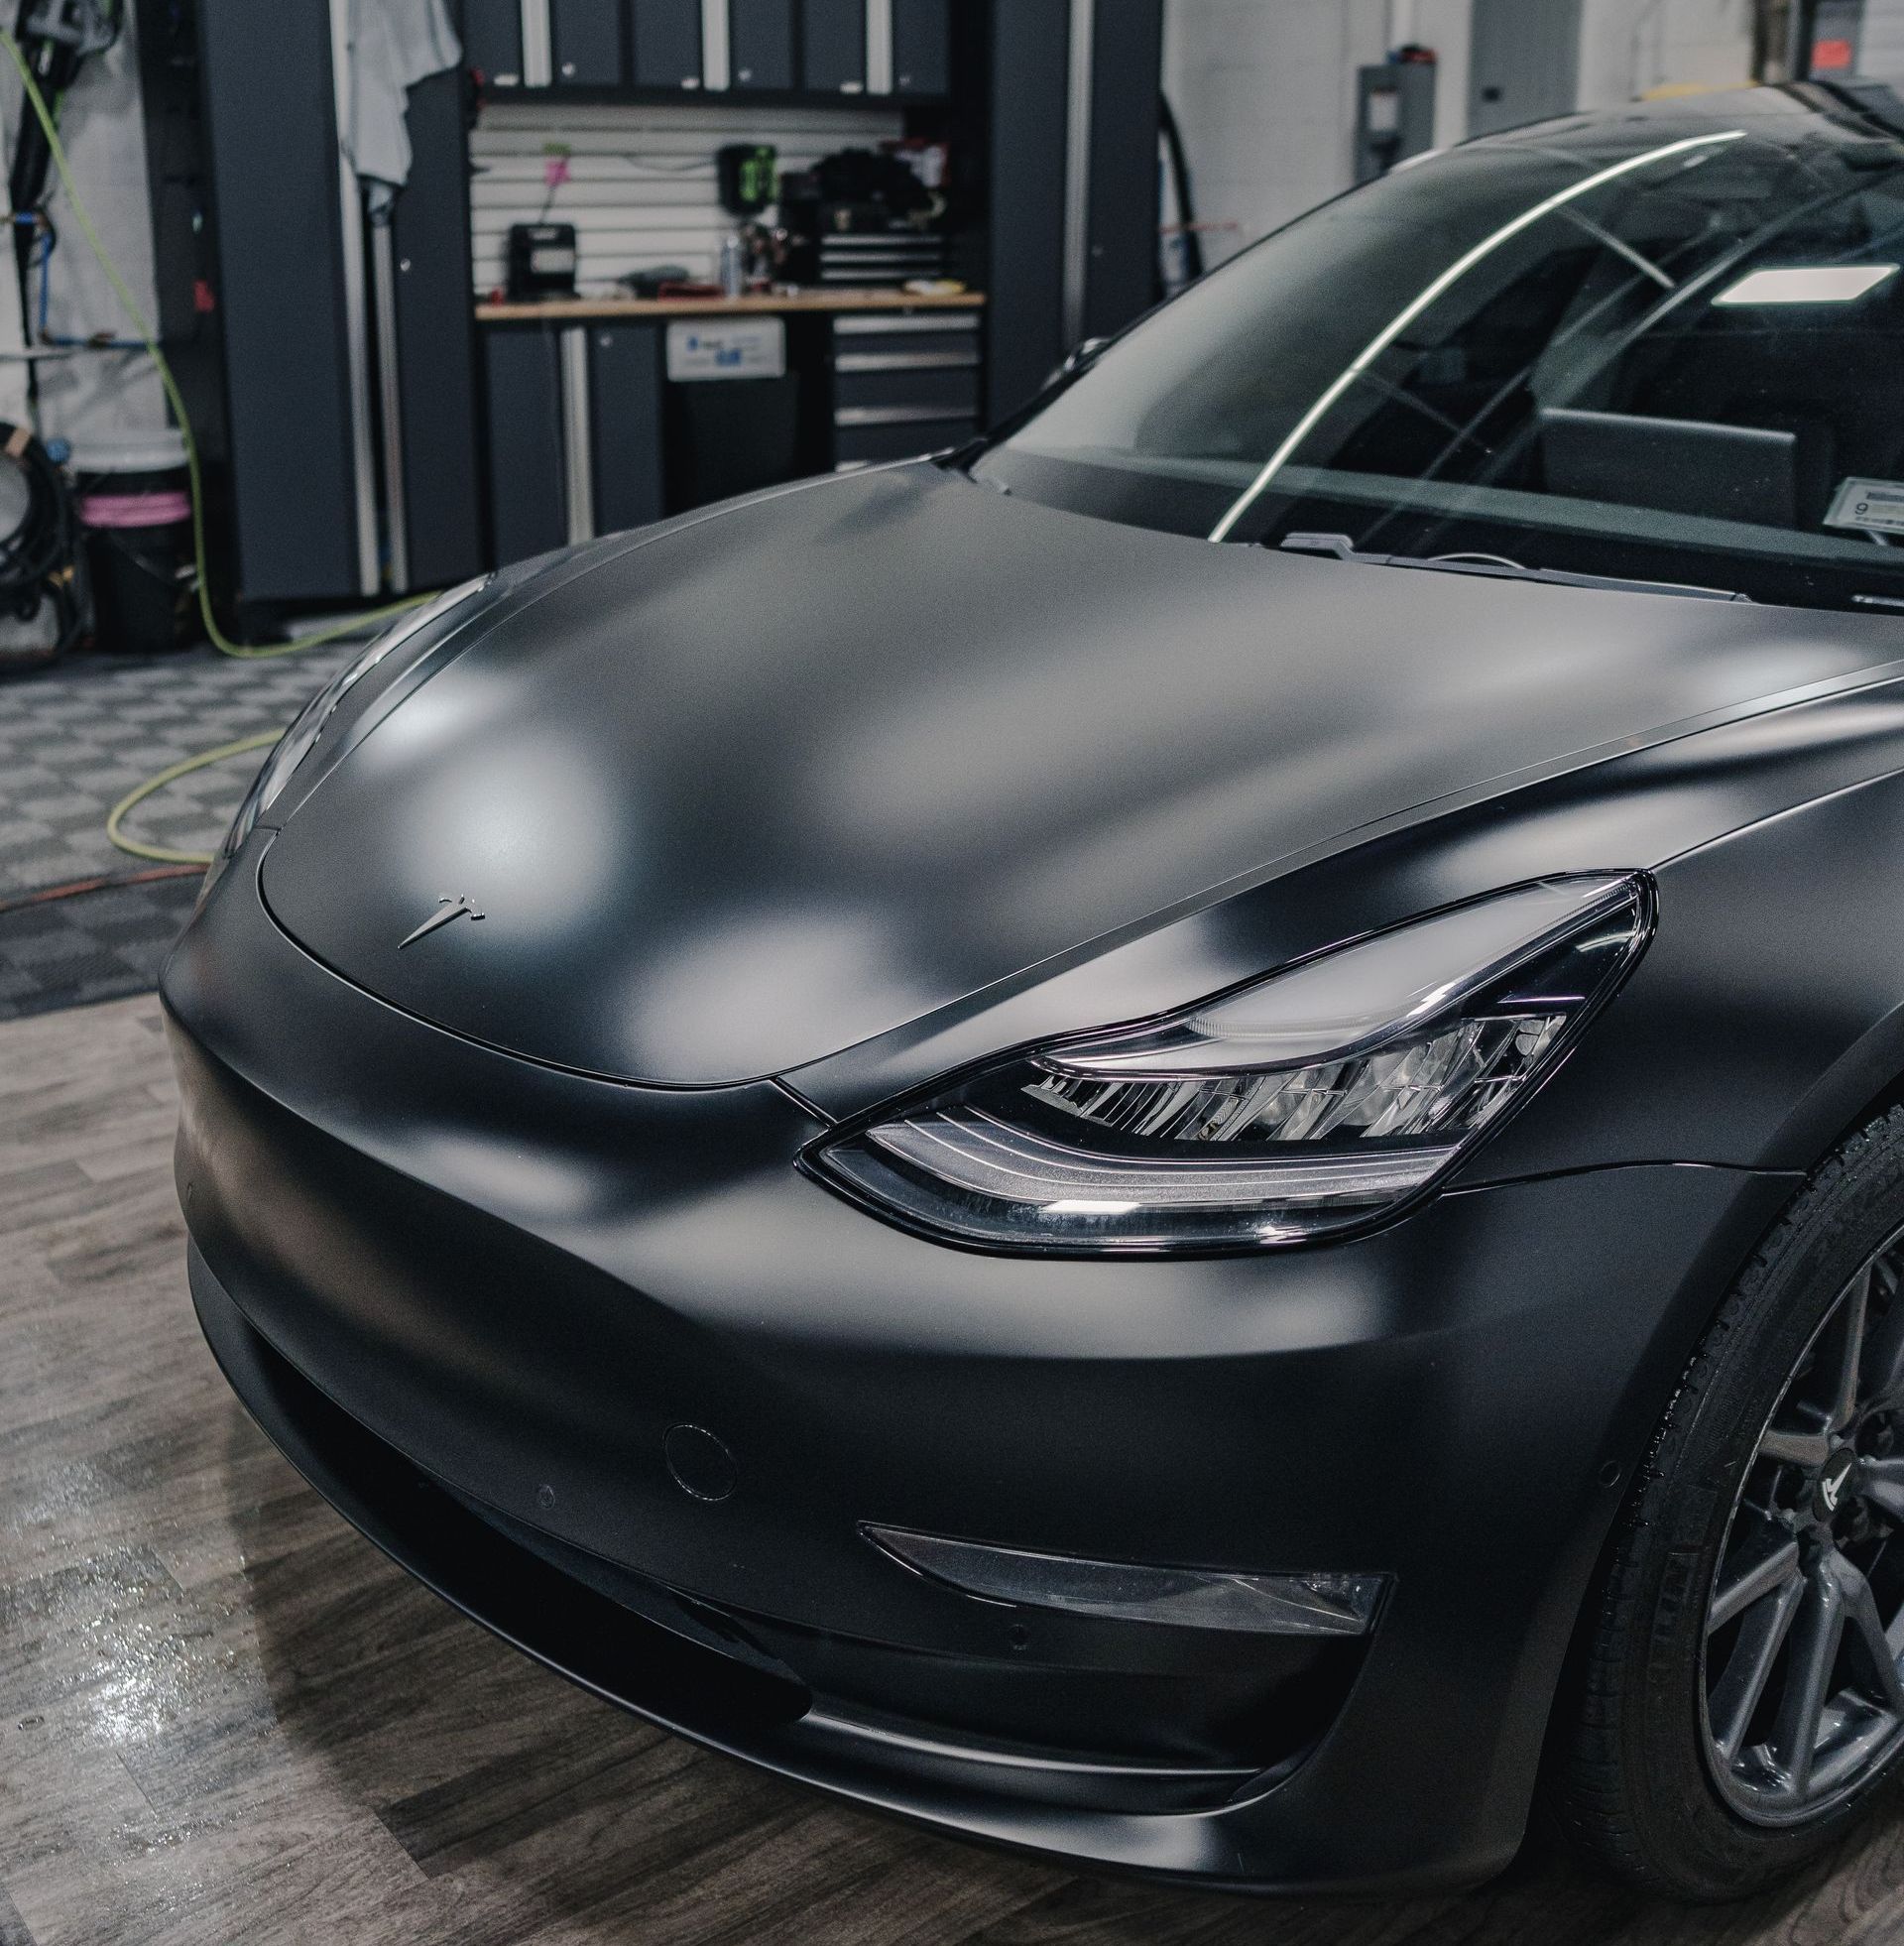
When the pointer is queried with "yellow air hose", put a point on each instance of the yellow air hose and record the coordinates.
(161, 854)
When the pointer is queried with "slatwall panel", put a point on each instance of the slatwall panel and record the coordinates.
(641, 186)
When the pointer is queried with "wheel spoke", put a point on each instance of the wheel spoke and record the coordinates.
(1758, 1568)
(1795, 1448)
(1849, 1349)
(1881, 1482)
(1884, 1339)
(1816, 1636)
(1730, 1707)
(1868, 1630)
(1809, 1696)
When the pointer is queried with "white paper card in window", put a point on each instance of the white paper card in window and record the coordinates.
(1872, 506)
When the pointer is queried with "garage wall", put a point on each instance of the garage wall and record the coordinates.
(641, 186)
(1264, 93)
(1881, 46)
(1633, 47)
(96, 394)
(1265, 90)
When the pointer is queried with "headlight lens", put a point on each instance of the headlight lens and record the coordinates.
(1306, 1103)
(301, 739)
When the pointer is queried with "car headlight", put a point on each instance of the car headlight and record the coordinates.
(301, 739)
(1320, 1098)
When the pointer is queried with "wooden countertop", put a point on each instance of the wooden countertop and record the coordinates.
(576, 309)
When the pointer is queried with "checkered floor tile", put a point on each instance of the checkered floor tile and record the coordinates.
(76, 738)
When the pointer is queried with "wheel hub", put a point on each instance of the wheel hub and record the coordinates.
(1832, 1494)
(1804, 1698)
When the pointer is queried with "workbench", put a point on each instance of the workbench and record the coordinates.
(594, 427)
(582, 311)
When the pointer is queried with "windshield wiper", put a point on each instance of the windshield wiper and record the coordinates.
(1339, 547)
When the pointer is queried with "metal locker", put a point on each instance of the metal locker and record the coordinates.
(528, 477)
(761, 43)
(1029, 81)
(1394, 115)
(921, 46)
(666, 41)
(586, 37)
(297, 493)
(833, 45)
(1121, 210)
(625, 425)
(435, 347)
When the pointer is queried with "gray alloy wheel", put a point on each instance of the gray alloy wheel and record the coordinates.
(1732, 1703)
(1805, 1621)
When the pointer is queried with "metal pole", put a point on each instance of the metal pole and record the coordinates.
(383, 273)
(577, 454)
(356, 310)
(1077, 173)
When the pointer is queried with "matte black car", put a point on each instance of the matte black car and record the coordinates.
(1212, 1208)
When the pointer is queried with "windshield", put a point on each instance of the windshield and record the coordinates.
(1656, 350)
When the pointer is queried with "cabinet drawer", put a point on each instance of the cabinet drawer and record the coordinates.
(898, 438)
(895, 351)
(933, 390)
(887, 329)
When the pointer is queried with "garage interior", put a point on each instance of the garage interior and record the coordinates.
(438, 289)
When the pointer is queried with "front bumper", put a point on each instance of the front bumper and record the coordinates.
(470, 1297)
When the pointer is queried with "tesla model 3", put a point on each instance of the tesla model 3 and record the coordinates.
(1181, 1139)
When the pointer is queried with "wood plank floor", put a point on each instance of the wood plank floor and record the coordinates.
(225, 1717)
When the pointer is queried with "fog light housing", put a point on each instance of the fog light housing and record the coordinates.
(1216, 1599)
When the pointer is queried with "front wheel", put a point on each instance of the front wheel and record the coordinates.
(1736, 1697)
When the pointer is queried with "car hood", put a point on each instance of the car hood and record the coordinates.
(736, 793)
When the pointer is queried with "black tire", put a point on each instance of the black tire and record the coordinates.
(1634, 1773)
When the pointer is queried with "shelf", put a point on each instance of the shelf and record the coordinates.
(579, 311)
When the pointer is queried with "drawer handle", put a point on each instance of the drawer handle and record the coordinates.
(898, 414)
(905, 361)
(868, 326)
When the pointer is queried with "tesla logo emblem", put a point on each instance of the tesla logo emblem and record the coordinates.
(1831, 1489)
(448, 908)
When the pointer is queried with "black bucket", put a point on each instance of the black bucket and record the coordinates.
(138, 521)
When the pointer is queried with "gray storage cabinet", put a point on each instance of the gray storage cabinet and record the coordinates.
(492, 32)
(284, 336)
(833, 45)
(615, 409)
(903, 382)
(921, 47)
(1023, 275)
(523, 376)
(761, 43)
(1121, 239)
(586, 43)
(625, 425)
(437, 343)
(667, 43)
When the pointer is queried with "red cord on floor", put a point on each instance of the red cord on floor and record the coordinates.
(46, 895)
